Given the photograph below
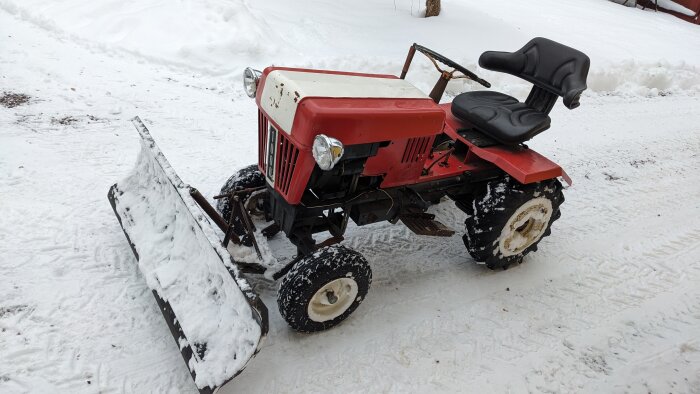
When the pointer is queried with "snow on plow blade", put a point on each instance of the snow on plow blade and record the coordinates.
(217, 320)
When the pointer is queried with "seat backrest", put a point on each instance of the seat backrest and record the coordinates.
(547, 64)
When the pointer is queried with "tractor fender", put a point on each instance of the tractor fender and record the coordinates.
(522, 163)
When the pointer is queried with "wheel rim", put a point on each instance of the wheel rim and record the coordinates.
(332, 299)
(252, 203)
(525, 227)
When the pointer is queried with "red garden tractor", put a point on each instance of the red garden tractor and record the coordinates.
(339, 146)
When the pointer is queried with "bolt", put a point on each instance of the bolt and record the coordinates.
(331, 297)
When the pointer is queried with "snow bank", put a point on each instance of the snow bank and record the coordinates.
(220, 37)
(202, 35)
(645, 79)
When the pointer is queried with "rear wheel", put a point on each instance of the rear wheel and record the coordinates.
(324, 288)
(245, 178)
(507, 220)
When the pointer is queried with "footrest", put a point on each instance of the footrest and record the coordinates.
(477, 138)
(425, 224)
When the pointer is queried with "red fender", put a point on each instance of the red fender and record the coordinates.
(523, 164)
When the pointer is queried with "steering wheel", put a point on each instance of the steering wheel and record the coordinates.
(436, 57)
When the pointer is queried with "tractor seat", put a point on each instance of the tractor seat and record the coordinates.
(500, 116)
(555, 70)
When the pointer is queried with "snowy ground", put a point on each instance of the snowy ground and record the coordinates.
(610, 302)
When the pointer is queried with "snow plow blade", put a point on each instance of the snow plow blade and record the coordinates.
(216, 318)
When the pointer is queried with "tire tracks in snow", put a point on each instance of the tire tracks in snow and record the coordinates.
(500, 332)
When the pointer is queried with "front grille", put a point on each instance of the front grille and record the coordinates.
(287, 155)
(415, 148)
(262, 140)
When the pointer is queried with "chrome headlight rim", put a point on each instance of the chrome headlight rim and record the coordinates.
(327, 151)
(251, 78)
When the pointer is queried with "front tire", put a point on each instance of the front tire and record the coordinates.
(507, 220)
(245, 178)
(324, 288)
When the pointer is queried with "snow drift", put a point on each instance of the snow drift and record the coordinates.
(219, 37)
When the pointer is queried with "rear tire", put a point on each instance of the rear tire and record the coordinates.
(324, 288)
(245, 178)
(507, 220)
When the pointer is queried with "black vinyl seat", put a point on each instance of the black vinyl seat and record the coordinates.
(500, 116)
(555, 71)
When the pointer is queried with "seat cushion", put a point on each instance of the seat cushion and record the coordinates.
(500, 116)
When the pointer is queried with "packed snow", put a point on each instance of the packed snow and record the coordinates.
(609, 302)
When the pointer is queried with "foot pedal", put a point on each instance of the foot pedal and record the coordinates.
(271, 230)
(425, 224)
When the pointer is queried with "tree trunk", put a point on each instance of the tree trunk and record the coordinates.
(432, 8)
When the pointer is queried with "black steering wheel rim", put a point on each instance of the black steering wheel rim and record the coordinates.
(450, 63)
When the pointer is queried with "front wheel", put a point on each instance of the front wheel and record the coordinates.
(324, 288)
(507, 220)
(245, 178)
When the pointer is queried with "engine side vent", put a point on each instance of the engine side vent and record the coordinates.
(415, 148)
(287, 155)
(262, 140)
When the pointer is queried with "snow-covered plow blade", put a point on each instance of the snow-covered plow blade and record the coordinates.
(217, 320)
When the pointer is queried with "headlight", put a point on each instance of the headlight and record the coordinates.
(327, 151)
(251, 78)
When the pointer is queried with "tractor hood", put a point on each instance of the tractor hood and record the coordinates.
(356, 108)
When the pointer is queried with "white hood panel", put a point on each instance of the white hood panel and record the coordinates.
(284, 90)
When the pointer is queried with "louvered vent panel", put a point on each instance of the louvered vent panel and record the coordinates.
(287, 155)
(262, 140)
(414, 148)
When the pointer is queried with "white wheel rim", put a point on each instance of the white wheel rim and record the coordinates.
(251, 204)
(332, 300)
(525, 227)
